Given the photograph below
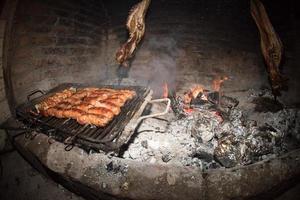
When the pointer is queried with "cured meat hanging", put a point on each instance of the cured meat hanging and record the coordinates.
(136, 27)
(271, 46)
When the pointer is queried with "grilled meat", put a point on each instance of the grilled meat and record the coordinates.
(73, 113)
(55, 99)
(55, 112)
(101, 111)
(271, 46)
(113, 107)
(87, 106)
(97, 120)
(136, 27)
(115, 101)
(95, 110)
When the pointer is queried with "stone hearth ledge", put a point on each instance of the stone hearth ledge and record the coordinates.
(87, 174)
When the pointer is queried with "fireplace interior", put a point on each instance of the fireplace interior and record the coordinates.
(219, 137)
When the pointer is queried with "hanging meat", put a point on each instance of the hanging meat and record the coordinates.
(271, 46)
(136, 27)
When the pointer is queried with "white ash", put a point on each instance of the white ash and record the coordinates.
(203, 140)
(156, 142)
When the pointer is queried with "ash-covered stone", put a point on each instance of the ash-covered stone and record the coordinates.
(242, 149)
(286, 120)
(213, 97)
(228, 102)
(266, 104)
(228, 150)
(115, 167)
(204, 152)
(144, 144)
(167, 157)
(177, 105)
(203, 128)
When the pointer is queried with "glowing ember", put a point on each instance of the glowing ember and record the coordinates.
(165, 90)
(217, 82)
(188, 110)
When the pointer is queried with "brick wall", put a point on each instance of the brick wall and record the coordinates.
(185, 43)
(65, 41)
(56, 41)
(4, 109)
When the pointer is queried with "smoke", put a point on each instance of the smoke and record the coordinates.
(156, 63)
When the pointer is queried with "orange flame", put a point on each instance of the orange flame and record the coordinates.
(217, 82)
(165, 90)
(193, 93)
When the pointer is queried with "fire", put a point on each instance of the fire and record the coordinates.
(165, 90)
(190, 95)
(198, 95)
(217, 82)
(193, 93)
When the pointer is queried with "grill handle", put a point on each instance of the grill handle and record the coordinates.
(33, 93)
(157, 114)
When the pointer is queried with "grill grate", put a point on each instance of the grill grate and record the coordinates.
(86, 136)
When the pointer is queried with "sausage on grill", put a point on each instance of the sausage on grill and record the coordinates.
(97, 120)
(87, 106)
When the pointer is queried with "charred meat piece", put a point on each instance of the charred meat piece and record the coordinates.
(136, 27)
(271, 46)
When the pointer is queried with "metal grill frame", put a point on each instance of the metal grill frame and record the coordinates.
(86, 136)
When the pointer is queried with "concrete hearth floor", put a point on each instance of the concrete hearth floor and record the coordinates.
(19, 181)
